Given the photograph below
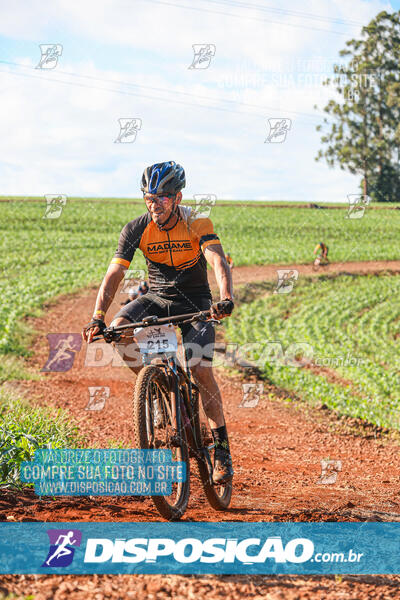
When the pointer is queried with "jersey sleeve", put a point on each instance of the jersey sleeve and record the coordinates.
(204, 230)
(128, 242)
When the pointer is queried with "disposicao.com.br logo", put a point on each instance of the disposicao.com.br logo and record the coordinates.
(212, 550)
(199, 548)
(191, 550)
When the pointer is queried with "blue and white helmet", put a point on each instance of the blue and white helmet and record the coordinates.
(163, 178)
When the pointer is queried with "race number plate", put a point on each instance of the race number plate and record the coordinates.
(156, 339)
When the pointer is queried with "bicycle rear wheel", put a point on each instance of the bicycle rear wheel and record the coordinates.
(153, 429)
(218, 496)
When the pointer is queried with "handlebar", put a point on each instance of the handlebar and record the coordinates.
(111, 334)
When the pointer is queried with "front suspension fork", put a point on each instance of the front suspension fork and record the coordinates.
(175, 405)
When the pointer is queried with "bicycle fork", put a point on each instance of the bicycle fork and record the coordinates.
(180, 416)
(176, 439)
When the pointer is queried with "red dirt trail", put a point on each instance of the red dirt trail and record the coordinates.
(277, 449)
(255, 273)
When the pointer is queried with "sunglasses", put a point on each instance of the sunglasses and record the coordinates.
(158, 199)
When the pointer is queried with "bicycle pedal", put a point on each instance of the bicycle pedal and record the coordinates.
(176, 440)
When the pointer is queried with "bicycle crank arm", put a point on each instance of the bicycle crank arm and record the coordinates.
(176, 439)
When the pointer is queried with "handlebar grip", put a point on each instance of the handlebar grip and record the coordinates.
(226, 306)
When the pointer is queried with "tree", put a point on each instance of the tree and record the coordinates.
(364, 137)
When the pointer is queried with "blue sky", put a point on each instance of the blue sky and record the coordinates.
(130, 59)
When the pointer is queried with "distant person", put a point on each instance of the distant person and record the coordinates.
(132, 295)
(142, 289)
(323, 251)
(229, 260)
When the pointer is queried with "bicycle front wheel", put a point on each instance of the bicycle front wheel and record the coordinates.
(153, 429)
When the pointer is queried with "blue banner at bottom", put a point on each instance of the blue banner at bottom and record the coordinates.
(200, 548)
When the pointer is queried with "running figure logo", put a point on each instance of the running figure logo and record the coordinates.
(54, 205)
(204, 204)
(97, 397)
(61, 552)
(251, 394)
(63, 347)
(203, 54)
(128, 129)
(278, 129)
(357, 205)
(50, 54)
(286, 280)
(329, 471)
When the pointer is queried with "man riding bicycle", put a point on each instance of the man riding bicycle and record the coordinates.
(323, 251)
(177, 244)
(143, 288)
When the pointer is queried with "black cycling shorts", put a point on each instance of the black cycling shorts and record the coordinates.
(198, 338)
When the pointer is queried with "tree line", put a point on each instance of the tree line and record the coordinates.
(362, 133)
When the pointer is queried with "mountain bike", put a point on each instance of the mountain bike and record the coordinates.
(165, 409)
(319, 262)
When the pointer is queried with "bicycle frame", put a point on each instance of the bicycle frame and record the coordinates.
(179, 409)
(181, 413)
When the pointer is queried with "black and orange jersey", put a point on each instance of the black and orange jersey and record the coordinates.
(174, 257)
(321, 246)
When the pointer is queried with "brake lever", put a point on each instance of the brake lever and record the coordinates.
(110, 335)
(206, 319)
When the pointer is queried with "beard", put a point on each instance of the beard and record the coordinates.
(162, 217)
(159, 219)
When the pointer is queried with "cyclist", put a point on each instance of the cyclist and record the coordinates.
(323, 251)
(177, 244)
(143, 288)
(132, 295)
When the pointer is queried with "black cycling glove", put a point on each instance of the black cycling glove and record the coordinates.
(223, 307)
(96, 323)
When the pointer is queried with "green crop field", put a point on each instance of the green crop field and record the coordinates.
(42, 258)
(348, 325)
(25, 427)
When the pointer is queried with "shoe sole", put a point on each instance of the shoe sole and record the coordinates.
(224, 480)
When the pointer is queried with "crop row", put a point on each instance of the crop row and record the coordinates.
(350, 327)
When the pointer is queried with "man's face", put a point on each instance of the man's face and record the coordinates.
(160, 207)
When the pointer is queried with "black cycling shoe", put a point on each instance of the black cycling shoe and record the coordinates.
(175, 439)
(223, 470)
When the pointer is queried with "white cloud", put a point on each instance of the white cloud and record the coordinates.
(59, 137)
